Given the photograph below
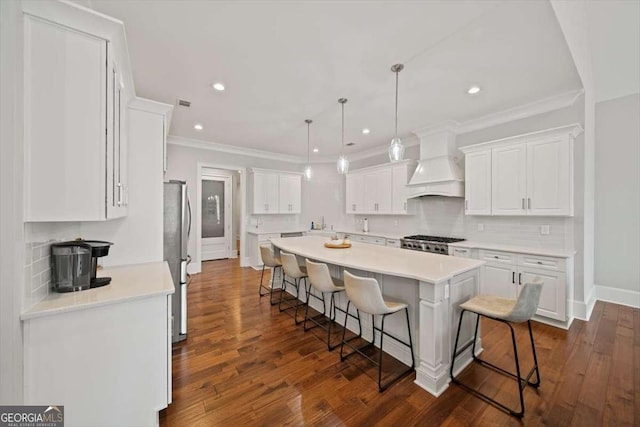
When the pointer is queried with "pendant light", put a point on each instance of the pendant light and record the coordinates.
(343, 163)
(396, 148)
(308, 172)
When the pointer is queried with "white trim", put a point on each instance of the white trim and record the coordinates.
(244, 258)
(582, 310)
(280, 172)
(618, 296)
(534, 108)
(224, 148)
(150, 106)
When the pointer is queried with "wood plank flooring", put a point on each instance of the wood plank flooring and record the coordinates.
(245, 363)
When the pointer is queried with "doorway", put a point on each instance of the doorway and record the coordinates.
(216, 213)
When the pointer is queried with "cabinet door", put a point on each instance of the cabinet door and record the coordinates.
(354, 194)
(384, 184)
(554, 294)
(64, 103)
(290, 193)
(265, 189)
(498, 280)
(549, 176)
(399, 190)
(478, 183)
(508, 180)
(370, 192)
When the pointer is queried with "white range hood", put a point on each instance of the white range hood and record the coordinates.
(438, 173)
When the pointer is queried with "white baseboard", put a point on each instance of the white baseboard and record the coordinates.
(582, 310)
(194, 268)
(618, 296)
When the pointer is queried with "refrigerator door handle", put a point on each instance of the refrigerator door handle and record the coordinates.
(183, 309)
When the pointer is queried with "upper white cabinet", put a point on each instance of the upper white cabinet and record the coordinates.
(77, 87)
(478, 183)
(379, 189)
(524, 175)
(354, 193)
(290, 193)
(276, 192)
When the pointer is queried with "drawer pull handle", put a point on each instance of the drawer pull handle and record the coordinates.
(496, 256)
(539, 262)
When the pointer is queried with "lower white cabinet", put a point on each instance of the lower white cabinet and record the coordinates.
(108, 365)
(505, 273)
(254, 241)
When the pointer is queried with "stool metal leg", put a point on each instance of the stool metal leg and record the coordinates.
(522, 382)
(272, 289)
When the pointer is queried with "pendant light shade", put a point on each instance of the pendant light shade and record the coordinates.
(308, 172)
(396, 148)
(343, 162)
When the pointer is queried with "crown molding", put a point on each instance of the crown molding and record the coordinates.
(541, 106)
(446, 126)
(231, 149)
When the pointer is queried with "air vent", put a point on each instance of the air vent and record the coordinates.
(350, 144)
(183, 103)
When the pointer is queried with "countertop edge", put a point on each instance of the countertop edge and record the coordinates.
(69, 309)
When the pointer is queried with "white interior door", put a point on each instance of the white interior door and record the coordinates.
(216, 209)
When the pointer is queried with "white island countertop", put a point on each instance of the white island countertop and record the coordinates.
(277, 231)
(422, 266)
(128, 282)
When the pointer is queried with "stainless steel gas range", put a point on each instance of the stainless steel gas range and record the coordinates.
(437, 245)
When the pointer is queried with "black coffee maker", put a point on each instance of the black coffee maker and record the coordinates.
(74, 265)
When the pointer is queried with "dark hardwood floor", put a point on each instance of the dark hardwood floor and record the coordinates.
(245, 363)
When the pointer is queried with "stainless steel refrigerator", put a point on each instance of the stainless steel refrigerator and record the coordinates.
(177, 226)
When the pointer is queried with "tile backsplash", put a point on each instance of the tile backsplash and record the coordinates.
(37, 271)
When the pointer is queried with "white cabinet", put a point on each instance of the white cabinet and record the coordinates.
(508, 180)
(459, 252)
(550, 176)
(379, 189)
(290, 193)
(265, 192)
(525, 175)
(276, 192)
(478, 183)
(505, 273)
(75, 121)
(354, 193)
(254, 242)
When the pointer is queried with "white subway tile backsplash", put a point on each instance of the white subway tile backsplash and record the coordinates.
(37, 271)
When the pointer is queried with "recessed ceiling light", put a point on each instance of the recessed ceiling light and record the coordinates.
(366, 131)
(218, 86)
(198, 126)
(315, 150)
(473, 90)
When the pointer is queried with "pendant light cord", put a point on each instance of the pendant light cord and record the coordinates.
(397, 103)
(308, 133)
(343, 128)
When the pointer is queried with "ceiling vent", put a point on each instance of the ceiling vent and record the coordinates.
(183, 103)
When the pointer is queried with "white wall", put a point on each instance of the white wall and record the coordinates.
(12, 247)
(617, 214)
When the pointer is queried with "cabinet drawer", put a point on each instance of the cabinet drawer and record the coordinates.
(393, 243)
(460, 252)
(498, 257)
(377, 240)
(265, 238)
(548, 263)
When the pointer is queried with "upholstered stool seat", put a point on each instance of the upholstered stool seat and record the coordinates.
(365, 294)
(296, 272)
(507, 311)
(321, 280)
(269, 260)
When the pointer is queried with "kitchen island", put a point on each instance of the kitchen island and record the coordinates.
(433, 285)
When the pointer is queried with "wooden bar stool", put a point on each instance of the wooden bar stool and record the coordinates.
(364, 293)
(507, 311)
(321, 280)
(271, 261)
(297, 273)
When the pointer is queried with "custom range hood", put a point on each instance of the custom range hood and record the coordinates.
(438, 173)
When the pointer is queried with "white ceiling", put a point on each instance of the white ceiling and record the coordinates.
(283, 62)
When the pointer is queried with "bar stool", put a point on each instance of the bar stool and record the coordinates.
(297, 273)
(271, 261)
(507, 311)
(366, 296)
(321, 280)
